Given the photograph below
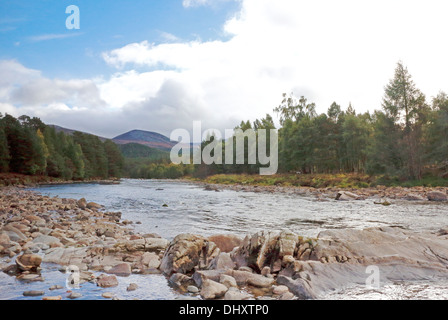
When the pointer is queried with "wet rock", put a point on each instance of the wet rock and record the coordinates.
(180, 281)
(223, 262)
(28, 262)
(132, 287)
(108, 295)
(212, 289)
(82, 203)
(74, 295)
(437, 196)
(55, 287)
(106, 281)
(93, 206)
(187, 251)
(33, 293)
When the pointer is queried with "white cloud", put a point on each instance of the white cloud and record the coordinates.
(343, 51)
(52, 36)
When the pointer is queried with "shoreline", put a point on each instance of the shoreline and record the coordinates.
(37, 229)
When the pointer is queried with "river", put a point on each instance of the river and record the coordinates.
(169, 208)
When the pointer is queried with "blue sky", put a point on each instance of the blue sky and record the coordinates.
(160, 65)
(34, 32)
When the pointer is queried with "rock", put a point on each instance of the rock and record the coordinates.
(108, 295)
(132, 287)
(155, 244)
(201, 275)
(33, 293)
(212, 289)
(75, 295)
(437, 196)
(241, 277)
(13, 233)
(287, 296)
(28, 262)
(93, 206)
(66, 256)
(266, 271)
(186, 252)
(280, 290)
(48, 240)
(52, 298)
(228, 281)
(192, 289)
(413, 197)
(151, 260)
(122, 269)
(4, 239)
(82, 203)
(247, 269)
(346, 196)
(223, 262)
(105, 281)
(235, 294)
(260, 281)
(180, 281)
(226, 242)
(55, 287)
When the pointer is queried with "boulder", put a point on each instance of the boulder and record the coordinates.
(437, 196)
(186, 252)
(347, 196)
(28, 262)
(201, 275)
(93, 206)
(226, 242)
(105, 281)
(212, 289)
(150, 260)
(228, 281)
(132, 287)
(82, 203)
(413, 197)
(48, 240)
(223, 262)
(13, 233)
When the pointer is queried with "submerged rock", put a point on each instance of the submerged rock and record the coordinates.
(437, 196)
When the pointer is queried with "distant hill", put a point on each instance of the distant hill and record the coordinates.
(147, 138)
(135, 150)
(71, 131)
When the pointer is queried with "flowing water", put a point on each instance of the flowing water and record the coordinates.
(169, 208)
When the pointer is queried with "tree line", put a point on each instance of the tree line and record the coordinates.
(28, 146)
(402, 139)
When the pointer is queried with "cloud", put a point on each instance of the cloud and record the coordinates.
(343, 51)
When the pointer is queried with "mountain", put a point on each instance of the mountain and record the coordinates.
(147, 138)
(71, 131)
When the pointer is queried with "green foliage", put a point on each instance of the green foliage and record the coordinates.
(28, 146)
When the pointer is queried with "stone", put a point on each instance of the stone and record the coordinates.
(186, 252)
(223, 262)
(150, 260)
(13, 233)
(132, 287)
(108, 295)
(93, 206)
(52, 298)
(287, 296)
(122, 269)
(346, 196)
(201, 275)
(105, 281)
(192, 289)
(179, 280)
(260, 281)
(437, 196)
(212, 289)
(55, 287)
(48, 240)
(235, 294)
(74, 295)
(279, 290)
(226, 242)
(266, 271)
(33, 293)
(82, 203)
(228, 281)
(413, 197)
(28, 262)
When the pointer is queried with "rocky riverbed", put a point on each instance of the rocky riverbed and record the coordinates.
(104, 250)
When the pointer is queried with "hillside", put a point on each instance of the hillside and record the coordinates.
(147, 138)
(136, 150)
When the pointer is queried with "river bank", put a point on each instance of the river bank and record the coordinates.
(26, 181)
(38, 231)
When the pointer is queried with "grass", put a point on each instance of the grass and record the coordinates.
(342, 180)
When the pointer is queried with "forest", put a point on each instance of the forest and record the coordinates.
(29, 147)
(407, 139)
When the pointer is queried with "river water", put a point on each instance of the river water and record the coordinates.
(169, 208)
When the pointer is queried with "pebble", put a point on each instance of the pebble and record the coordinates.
(33, 293)
(56, 287)
(75, 295)
(52, 298)
(192, 289)
(108, 295)
(132, 287)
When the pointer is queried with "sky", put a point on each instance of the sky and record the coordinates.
(160, 65)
